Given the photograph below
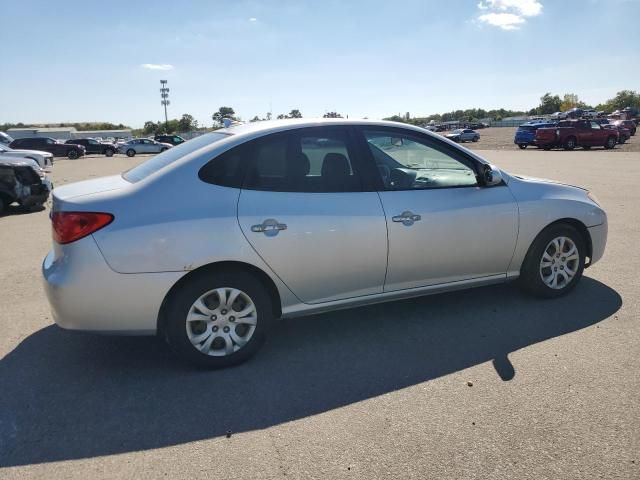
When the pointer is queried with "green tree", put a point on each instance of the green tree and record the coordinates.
(187, 123)
(623, 99)
(295, 113)
(548, 104)
(332, 115)
(149, 127)
(221, 114)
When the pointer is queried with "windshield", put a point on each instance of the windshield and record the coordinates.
(169, 156)
(459, 130)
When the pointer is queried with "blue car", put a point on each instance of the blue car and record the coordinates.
(526, 133)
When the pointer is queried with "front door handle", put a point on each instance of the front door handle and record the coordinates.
(269, 227)
(407, 218)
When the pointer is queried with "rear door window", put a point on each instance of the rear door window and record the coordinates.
(310, 160)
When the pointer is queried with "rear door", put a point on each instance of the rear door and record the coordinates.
(442, 226)
(304, 210)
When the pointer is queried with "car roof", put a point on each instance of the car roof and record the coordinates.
(272, 126)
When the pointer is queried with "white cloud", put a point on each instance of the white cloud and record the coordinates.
(508, 14)
(157, 66)
(505, 21)
(525, 8)
(253, 19)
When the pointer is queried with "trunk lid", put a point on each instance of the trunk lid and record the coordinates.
(81, 195)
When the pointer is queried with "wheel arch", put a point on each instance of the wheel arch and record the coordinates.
(263, 277)
(582, 230)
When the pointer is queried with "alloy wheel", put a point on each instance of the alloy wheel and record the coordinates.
(559, 263)
(221, 321)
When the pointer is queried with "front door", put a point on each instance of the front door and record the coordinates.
(442, 226)
(305, 212)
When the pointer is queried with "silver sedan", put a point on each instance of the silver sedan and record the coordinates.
(209, 242)
(143, 145)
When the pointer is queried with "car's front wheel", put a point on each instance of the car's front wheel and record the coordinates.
(522, 146)
(131, 152)
(72, 154)
(163, 149)
(109, 152)
(554, 263)
(217, 320)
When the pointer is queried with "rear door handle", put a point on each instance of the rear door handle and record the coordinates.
(407, 218)
(270, 227)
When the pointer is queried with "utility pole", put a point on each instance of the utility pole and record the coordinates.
(164, 93)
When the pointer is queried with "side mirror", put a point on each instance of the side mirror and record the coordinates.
(491, 176)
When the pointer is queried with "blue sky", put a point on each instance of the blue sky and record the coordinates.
(89, 60)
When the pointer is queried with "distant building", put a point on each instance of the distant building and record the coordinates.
(66, 133)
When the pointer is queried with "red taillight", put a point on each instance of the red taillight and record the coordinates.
(71, 226)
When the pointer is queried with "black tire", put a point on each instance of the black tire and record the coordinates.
(72, 154)
(530, 273)
(522, 146)
(131, 152)
(109, 152)
(546, 149)
(622, 140)
(586, 147)
(475, 139)
(163, 149)
(570, 143)
(610, 143)
(180, 303)
(3, 205)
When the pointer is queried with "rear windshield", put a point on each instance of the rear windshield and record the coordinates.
(167, 157)
(527, 127)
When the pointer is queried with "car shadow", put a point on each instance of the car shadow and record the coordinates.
(66, 395)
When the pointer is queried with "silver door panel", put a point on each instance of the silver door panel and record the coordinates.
(461, 234)
(323, 246)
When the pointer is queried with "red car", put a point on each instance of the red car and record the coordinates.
(630, 124)
(570, 134)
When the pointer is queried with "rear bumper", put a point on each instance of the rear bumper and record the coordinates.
(85, 294)
(598, 241)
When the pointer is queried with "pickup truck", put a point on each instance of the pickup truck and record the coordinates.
(56, 148)
(570, 134)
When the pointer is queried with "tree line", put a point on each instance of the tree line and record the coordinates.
(549, 103)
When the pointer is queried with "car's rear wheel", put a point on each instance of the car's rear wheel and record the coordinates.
(219, 319)
(131, 152)
(554, 263)
(611, 143)
(72, 154)
(475, 139)
(522, 146)
(570, 143)
(109, 152)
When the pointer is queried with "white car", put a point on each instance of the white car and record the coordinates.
(43, 159)
(591, 113)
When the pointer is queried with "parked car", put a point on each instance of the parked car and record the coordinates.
(22, 181)
(463, 135)
(172, 139)
(92, 146)
(570, 134)
(5, 139)
(56, 148)
(558, 116)
(142, 145)
(590, 113)
(526, 133)
(208, 243)
(630, 124)
(43, 159)
(624, 133)
(575, 113)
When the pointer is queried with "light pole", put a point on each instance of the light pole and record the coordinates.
(164, 93)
